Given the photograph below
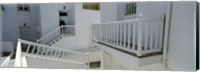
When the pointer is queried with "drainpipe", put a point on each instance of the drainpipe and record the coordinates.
(166, 34)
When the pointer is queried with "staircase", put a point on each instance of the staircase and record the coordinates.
(56, 35)
(30, 54)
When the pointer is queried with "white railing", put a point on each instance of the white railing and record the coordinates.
(56, 33)
(137, 36)
(26, 48)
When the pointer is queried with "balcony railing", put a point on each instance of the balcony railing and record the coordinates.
(137, 36)
(31, 49)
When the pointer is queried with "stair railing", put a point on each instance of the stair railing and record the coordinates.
(27, 48)
(55, 34)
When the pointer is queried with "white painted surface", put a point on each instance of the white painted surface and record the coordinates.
(83, 19)
(108, 12)
(10, 28)
(113, 59)
(149, 10)
(182, 52)
(7, 46)
(45, 63)
(66, 43)
(1, 34)
(12, 19)
(49, 16)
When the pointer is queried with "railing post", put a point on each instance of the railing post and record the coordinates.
(139, 46)
(18, 59)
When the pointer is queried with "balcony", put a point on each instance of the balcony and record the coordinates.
(139, 36)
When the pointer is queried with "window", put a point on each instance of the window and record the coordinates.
(130, 8)
(91, 6)
(23, 7)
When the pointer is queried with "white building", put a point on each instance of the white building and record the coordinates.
(129, 36)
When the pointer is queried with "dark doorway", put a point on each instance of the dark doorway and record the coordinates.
(62, 23)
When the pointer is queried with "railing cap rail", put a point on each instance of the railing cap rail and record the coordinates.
(130, 20)
(52, 47)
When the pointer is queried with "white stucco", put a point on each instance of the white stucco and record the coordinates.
(0, 33)
(10, 28)
(83, 20)
(49, 16)
(182, 42)
(116, 11)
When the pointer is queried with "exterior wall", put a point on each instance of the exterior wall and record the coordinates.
(149, 10)
(108, 12)
(13, 19)
(83, 20)
(31, 19)
(49, 16)
(10, 28)
(181, 51)
(0, 33)
(114, 59)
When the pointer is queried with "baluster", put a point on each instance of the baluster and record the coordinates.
(64, 54)
(151, 35)
(139, 45)
(129, 35)
(161, 35)
(54, 53)
(124, 41)
(110, 33)
(106, 32)
(28, 48)
(156, 29)
(32, 52)
(114, 34)
(134, 35)
(118, 34)
(101, 34)
(121, 34)
(51, 52)
(146, 36)
(44, 50)
(38, 50)
(98, 32)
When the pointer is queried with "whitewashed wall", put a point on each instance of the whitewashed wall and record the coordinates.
(49, 16)
(10, 28)
(182, 42)
(108, 12)
(116, 11)
(0, 33)
(12, 19)
(83, 20)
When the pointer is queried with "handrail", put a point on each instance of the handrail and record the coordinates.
(48, 52)
(18, 57)
(130, 20)
(51, 47)
(49, 34)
